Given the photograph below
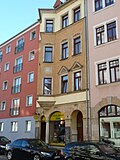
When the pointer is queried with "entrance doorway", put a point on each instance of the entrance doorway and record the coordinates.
(43, 128)
(77, 126)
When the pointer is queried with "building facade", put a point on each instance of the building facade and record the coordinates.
(61, 91)
(18, 83)
(104, 53)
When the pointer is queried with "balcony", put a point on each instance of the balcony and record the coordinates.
(19, 48)
(16, 89)
(14, 111)
(49, 101)
(18, 68)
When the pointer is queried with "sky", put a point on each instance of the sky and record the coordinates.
(16, 15)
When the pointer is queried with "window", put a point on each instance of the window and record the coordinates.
(114, 70)
(100, 35)
(5, 85)
(64, 84)
(29, 100)
(77, 81)
(109, 2)
(111, 31)
(49, 25)
(48, 54)
(30, 77)
(31, 55)
(28, 126)
(8, 49)
(65, 21)
(77, 14)
(14, 126)
(20, 45)
(106, 32)
(18, 65)
(7, 66)
(47, 86)
(102, 73)
(98, 5)
(77, 45)
(3, 106)
(1, 126)
(17, 85)
(32, 35)
(14, 111)
(108, 72)
(0, 56)
(64, 50)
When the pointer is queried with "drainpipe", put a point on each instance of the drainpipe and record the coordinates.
(88, 106)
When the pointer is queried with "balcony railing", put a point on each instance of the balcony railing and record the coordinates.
(14, 111)
(18, 68)
(16, 89)
(19, 48)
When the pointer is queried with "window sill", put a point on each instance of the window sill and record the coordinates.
(106, 43)
(108, 84)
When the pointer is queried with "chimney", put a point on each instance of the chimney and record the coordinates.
(57, 3)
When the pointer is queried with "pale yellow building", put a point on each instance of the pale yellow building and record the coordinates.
(61, 92)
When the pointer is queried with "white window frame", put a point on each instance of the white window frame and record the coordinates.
(14, 126)
(3, 107)
(108, 71)
(27, 100)
(31, 35)
(1, 126)
(31, 57)
(7, 66)
(5, 88)
(28, 125)
(103, 2)
(8, 49)
(29, 74)
(105, 31)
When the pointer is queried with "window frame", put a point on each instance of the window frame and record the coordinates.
(3, 106)
(14, 126)
(76, 14)
(79, 80)
(65, 20)
(5, 85)
(27, 100)
(1, 55)
(7, 66)
(33, 35)
(51, 23)
(75, 44)
(29, 74)
(2, 126)
(64, 84)
(30, 55)
(48, 54)
(64, 50)
(28, 128)
(8, 49)
(51, 80)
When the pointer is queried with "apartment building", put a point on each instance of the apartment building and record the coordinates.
(18, 83)
(61, 87)
(104, 53)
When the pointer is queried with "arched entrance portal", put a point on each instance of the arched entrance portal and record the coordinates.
(77, 126)
(43, 128)
(57, 128)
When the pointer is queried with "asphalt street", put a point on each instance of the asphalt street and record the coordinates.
(2, 157)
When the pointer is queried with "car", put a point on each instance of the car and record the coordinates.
(32, 149)
(3, 141)
(94, 150)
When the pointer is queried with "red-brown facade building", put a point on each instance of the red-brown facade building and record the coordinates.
(18, 76)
